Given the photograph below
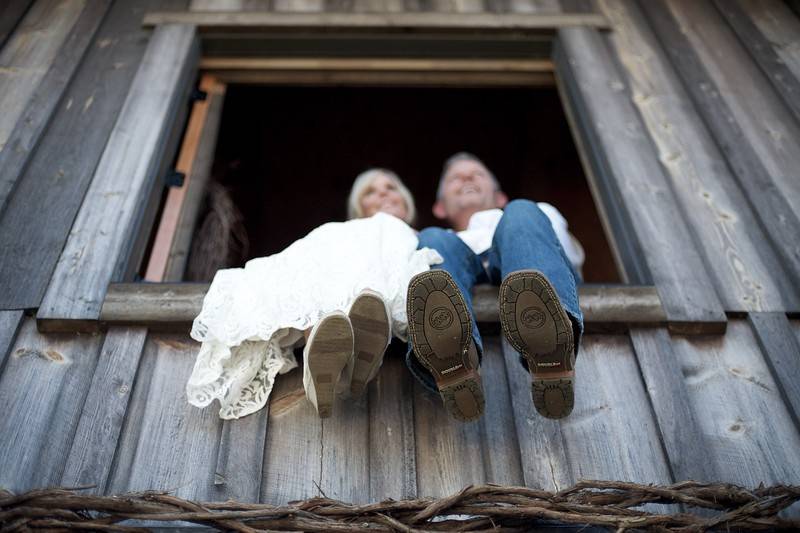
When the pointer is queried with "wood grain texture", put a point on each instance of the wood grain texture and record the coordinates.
(542, 446)
(534, 6)
(60, 170)
(166, 443)
(20, 143)
(10, 322)
(386, 22)
(501, 456)
(779, 23)
(240, 457)
(449, 452)
(750, 123)
(749, 433)
(746, 271)
(95, 441)
(42, 390)
(770, 32)
(216, 5)
(11, 13)
(611, 404)
(124, 177)
(346, 452)
(781, 351)
(293, 453)
(299, 5)
(392, 447)
(26, 58)
(645, 193)
(677, 422)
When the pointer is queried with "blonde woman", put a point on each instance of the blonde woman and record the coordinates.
(341, 289)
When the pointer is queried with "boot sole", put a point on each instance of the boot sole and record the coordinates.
(331, 347)
(440, 331)
(371, 335)
(536, 325)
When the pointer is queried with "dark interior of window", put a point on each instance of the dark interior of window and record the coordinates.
(287, 156)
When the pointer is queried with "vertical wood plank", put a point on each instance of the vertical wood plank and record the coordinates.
(293, 453)
(750, 123)
(11, 13)
(770, 32)
(26, 58)
(545, 464)
(392, 452)
(345, 452)
(59, 171)
(534, 6)
(240, 457)
(299, 5)
(124, 178)
(501, 456)
(749, 434)
(216, 5)
(10, 322)
(167, 444)
(780, 24)
(449, 452)
(42, 390)
(42, 100)
(612, 407)
(747, 274)
(677, 423)
(377, 6)
(609, 119)
(92, 449)
(781, 351)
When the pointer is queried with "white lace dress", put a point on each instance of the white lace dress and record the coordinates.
(253, 317)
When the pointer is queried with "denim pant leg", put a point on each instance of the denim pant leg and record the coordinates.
(467, 270)
(525, 239)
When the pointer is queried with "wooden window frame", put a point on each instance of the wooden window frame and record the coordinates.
(169, 305)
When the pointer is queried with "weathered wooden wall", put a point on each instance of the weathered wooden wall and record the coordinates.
(703, 152)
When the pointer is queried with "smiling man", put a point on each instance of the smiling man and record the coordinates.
(526, 249)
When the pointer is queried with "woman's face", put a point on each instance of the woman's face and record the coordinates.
(382, 195)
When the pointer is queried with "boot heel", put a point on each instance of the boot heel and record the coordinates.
(463, 397)
(553, 398)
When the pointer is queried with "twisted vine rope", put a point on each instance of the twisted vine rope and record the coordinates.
(476, 508)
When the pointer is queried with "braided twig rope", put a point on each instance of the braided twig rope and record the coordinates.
(610, 504)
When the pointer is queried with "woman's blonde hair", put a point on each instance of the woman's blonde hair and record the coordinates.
(364, 180)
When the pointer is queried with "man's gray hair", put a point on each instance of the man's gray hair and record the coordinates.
(364, 180)
(455, 158)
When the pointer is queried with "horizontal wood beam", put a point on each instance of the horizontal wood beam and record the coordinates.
(173, 307)
(375, 64)
(390, 78)
(381, 71)
(219, 21)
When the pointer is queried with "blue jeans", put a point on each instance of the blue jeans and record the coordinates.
(524, 239)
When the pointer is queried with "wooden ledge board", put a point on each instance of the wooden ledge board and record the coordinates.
(219, 21)
(173, 307)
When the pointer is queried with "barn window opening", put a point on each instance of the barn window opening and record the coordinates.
(288, 155)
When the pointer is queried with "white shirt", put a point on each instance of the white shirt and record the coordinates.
(480, 232)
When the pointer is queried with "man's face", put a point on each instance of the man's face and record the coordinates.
(467, 186)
